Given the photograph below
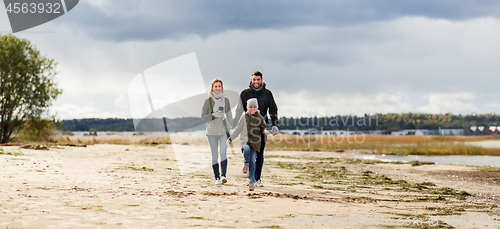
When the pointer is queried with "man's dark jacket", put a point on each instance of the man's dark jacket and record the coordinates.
(266, 102)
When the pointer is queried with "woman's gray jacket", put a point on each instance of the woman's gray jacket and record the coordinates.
(215, 126)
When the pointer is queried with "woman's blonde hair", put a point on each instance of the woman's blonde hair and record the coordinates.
(215, 81)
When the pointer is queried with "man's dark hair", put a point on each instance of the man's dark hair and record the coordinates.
(257, 73)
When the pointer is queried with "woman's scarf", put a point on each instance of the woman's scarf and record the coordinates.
(219, 101)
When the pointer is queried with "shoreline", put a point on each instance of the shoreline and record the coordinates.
(135, 186)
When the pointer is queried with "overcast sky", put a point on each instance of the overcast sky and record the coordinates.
(318, 57)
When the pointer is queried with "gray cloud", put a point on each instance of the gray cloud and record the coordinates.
(122, 20)
(412, 55)
(400, 56)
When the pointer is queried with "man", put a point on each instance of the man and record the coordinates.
(257, 89)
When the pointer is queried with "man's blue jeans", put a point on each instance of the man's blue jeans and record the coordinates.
(260, 158)
(250, 157)
(213, 141)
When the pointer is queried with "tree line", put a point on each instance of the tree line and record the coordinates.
(118, 124)
(392, 121)
(387, 122)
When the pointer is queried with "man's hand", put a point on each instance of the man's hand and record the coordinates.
(275, 130)
(267, 132)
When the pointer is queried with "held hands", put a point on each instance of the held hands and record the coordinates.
(219, 115)
(275, 130)
(228, 141)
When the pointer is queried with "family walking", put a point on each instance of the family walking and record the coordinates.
(250, 124)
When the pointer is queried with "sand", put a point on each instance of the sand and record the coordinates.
(133, 186)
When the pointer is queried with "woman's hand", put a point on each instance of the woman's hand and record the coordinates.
(218, 114)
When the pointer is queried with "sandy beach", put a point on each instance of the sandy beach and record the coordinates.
(165, 186)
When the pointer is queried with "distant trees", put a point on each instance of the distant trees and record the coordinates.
(387, 122)
(96, 124)
(391, 121)
(27, 85)
(117, 124)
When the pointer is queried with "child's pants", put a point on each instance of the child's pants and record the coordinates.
(250, 157)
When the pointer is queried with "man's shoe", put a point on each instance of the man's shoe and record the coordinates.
(217, 181)
(259, 184)
(223, 179)
(251, 186)
(245, 168)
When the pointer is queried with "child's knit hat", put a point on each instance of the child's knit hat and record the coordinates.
(252, 101)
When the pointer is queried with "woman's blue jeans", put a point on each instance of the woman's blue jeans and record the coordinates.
(213, 141)
(250, 157)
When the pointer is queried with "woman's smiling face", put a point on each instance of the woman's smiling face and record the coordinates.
(217, 87)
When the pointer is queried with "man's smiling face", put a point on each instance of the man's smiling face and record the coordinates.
(256, 81)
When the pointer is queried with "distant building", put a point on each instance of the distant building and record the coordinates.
(421, 132)
(468, 131)
(490, 130)
(482, 130)
(399, 133)
(314, 131)
(429, 132)
(375, 132)
(451, 132)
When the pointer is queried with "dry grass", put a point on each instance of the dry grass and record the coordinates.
(388, 144)
(294, 140)
(191, 139)
(109, 139)
(383, 144)
(372, 139)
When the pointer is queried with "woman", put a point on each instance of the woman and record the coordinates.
(217, 111)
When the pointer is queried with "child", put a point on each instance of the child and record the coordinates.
(251, 126)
